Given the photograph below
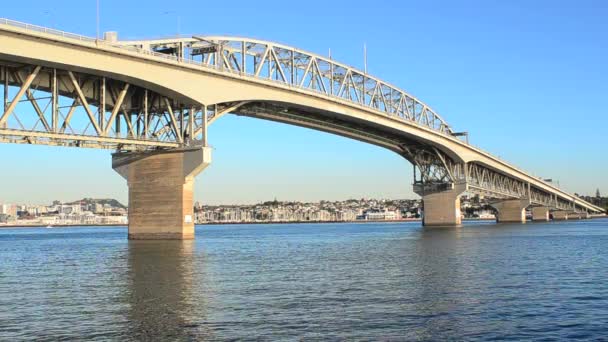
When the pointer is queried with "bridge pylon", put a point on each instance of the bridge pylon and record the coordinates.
(540, 214)
(161, 191)
(511, 211)
(560, 215)
(441, 208)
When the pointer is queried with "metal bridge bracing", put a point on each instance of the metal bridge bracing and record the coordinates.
(60, 107)
(51, 102)
(298, 69)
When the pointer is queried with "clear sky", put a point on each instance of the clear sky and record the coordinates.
(527, 79)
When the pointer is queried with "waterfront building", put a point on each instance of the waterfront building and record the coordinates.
(378, 215)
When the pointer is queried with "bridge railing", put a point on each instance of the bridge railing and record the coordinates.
(46, 30)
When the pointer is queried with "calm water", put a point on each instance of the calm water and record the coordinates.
(287, 282)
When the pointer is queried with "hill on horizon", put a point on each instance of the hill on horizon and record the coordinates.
(103, 201)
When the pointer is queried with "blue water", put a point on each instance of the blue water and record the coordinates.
(381, 281)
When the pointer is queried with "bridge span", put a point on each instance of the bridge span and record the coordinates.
(153, 100)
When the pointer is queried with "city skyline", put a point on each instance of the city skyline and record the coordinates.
(592, 198)
(542, 91)
(91, 211)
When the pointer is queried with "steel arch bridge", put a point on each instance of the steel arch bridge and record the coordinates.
(161, 94)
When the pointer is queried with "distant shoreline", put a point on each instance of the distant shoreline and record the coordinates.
(227, 223)
(13, 226)
(300, 222)
(2, 226)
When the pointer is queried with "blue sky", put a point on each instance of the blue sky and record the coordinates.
(527, 79)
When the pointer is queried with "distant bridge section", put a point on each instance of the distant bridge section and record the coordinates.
(156, 99)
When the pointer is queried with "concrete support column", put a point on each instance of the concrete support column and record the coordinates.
(560, 215)
(513, 211)
(540, 214)
(161, 191)
(442, 209)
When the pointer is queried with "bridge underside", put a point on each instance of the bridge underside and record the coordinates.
(439, 178)
(51, 106)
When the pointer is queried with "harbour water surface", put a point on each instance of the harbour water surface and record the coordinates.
(391, 281)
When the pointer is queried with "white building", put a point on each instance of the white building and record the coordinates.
(378, 215)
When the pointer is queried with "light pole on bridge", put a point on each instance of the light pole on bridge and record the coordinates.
(97, 20)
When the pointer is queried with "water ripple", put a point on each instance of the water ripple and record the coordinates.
(289, 282)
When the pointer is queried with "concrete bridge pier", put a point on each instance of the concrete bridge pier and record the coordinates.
(560, 215)
(511, 211)
(540, 214)
(442, 209)
(161, 191)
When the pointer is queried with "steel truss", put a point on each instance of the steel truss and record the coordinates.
(61, 107)
(485, 181)
(298, 69)
(435, 171)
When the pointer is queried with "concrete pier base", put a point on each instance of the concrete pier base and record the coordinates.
(560, 215)
(442, 209)
(540, 214)
(161, 191)
(511, 211)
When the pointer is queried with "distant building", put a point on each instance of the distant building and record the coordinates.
(485, 214)
(378, 215)
(98, 208)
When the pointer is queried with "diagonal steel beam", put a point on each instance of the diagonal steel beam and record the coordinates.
(32, 99)
(84, 102)
(260, 66)
(37, 109)
(66, 121)
(319, 76)
(278, 64)
(178, 136)
(306, 71)
(226, 111)
(445, 164)
(125, 113)
(225, 61)
(117, 105)
(129, 124)
(24, 87)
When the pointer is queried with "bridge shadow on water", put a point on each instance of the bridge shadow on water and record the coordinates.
(435, 278)
(162, 291)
